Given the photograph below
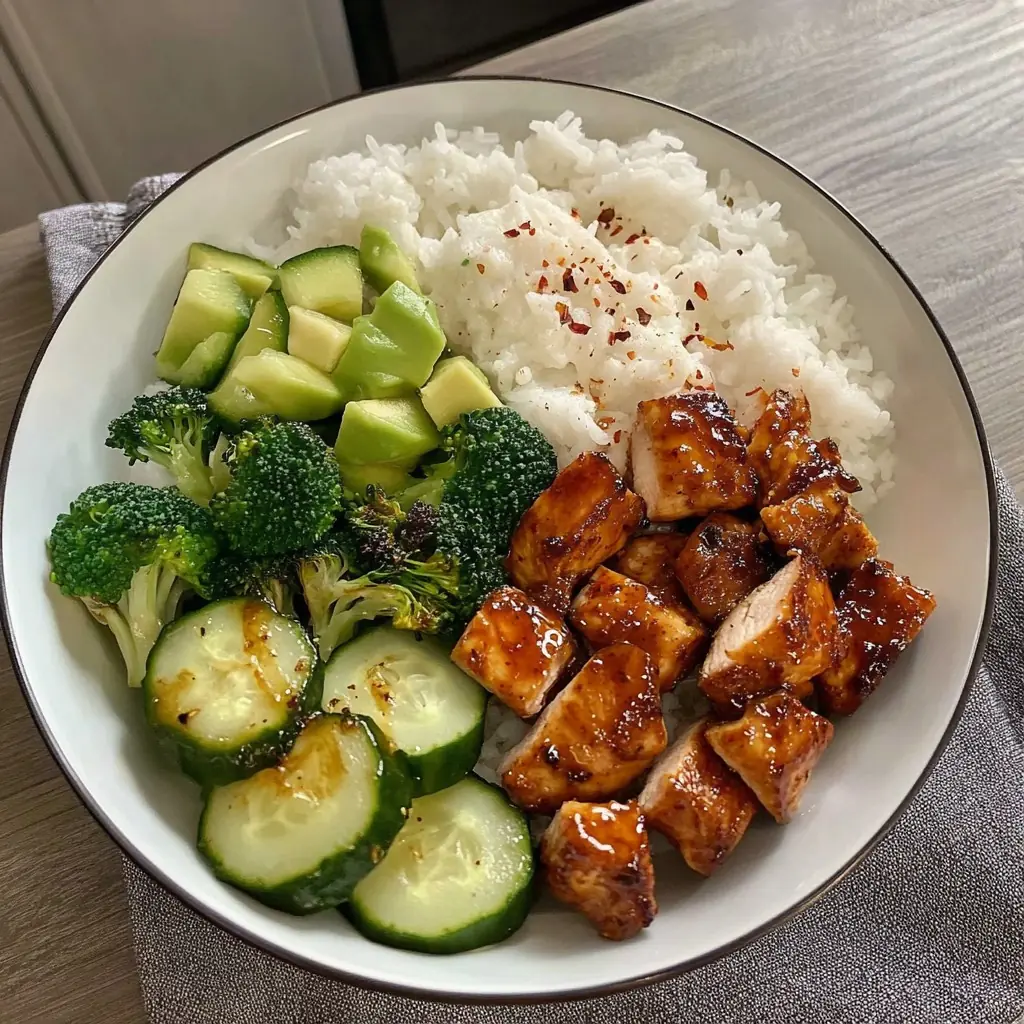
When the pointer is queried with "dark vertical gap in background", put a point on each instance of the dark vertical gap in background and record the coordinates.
(371, 43)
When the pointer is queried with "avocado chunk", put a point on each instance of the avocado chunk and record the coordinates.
(318, 339)
(385, 430)
(383, 262)
(393, 350)
(206, 362)
(456, 386)
(327, 280)
(209, 302)
(268, 328)
(392, 477)
(274, 383)
(255, 276)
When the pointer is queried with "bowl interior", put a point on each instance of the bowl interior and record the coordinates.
(935, 525)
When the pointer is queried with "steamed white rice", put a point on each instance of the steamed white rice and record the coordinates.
(487, 223)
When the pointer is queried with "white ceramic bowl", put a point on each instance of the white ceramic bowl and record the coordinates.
(936, 525)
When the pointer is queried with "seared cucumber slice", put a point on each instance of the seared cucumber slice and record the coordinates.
(227, 686)
(299, 836)
(328, 280)
(255, 276)
(458, 875)
(209, 302)
(426, 706)
(268, 328)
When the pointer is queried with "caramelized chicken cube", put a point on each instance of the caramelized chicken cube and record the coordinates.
(612, 609)
(599, 734)
(880, 614)
(584, 517)
(721, 562)
(693, 799)
(773, 748)
(515, 649)
(597, 858)
(821, 522)
(650, 559)
(688, 458)
(787, 460)
(780, 636)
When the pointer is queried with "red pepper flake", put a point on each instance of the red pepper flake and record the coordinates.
(647, 241)
(618, 336)
(696, 326)
(795, 371)
(563, 312)
(729, 201)
(617, 436)
(542, 283)
(597, 380)
(575, 213)
(578, 328)
(631, 354)
(690, 306)
(616, 230)
(533, 231)
(700, 291)
(632, 239)
(610, 311)
(718, 346)
(606, 216)
(480, 267)
(544, 263)
(604, 422)
(689, 338)
(750, 394)
(619, 287)
(569, 282)
(597, 302)
(698, 375)
(525, 226)
(561, 261)
(643, 316)
(655, 285)
(512, 233)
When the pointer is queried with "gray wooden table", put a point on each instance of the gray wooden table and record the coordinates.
(910, 111)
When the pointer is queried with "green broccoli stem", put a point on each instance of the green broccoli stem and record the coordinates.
(220, 472)
(190, 472)
(150, 602)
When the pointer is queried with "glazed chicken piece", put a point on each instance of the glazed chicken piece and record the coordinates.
(880, 614)
(821, 522)
(773, 748)
(599, 733)
(721, 562)
(597, 859)
(584, 517)
(688, 458)
(650, 559)
(693, 799)
(786, 458)
(515, 649)
(612, 609)
(780, 636)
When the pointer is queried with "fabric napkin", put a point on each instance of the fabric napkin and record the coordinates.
(928, 930)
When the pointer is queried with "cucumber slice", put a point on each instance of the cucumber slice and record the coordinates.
(458, 875)
(274, 383)
(298, 837)
(227, 686)
(328, 280)
(255, 276)
(209, 302)
(385, 430)
(205, 363)
(425, 705)
(268, 328)
(383, 262)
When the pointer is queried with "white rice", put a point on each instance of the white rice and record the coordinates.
(452, 202)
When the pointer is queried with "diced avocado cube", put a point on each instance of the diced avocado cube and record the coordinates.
(274, 383)
(327, 280)
(209, 302)
(318, 339)
(393, 477)
(255, 276)
(372, 365)
(411, 321)
(385, 430)
(206, 362)
(383, 262)
(456, 386)
(268, 328)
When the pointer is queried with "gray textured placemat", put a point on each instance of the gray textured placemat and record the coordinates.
(928, 930)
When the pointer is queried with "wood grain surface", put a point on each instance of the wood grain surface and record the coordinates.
(910, 111)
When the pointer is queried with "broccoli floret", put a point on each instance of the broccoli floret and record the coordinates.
(175, 429)
(130, 552)
(268, 577)
(384, 535)
(414, 595)
(284, 492)
(494, 465)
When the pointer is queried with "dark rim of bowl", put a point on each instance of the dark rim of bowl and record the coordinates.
(592, 991)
